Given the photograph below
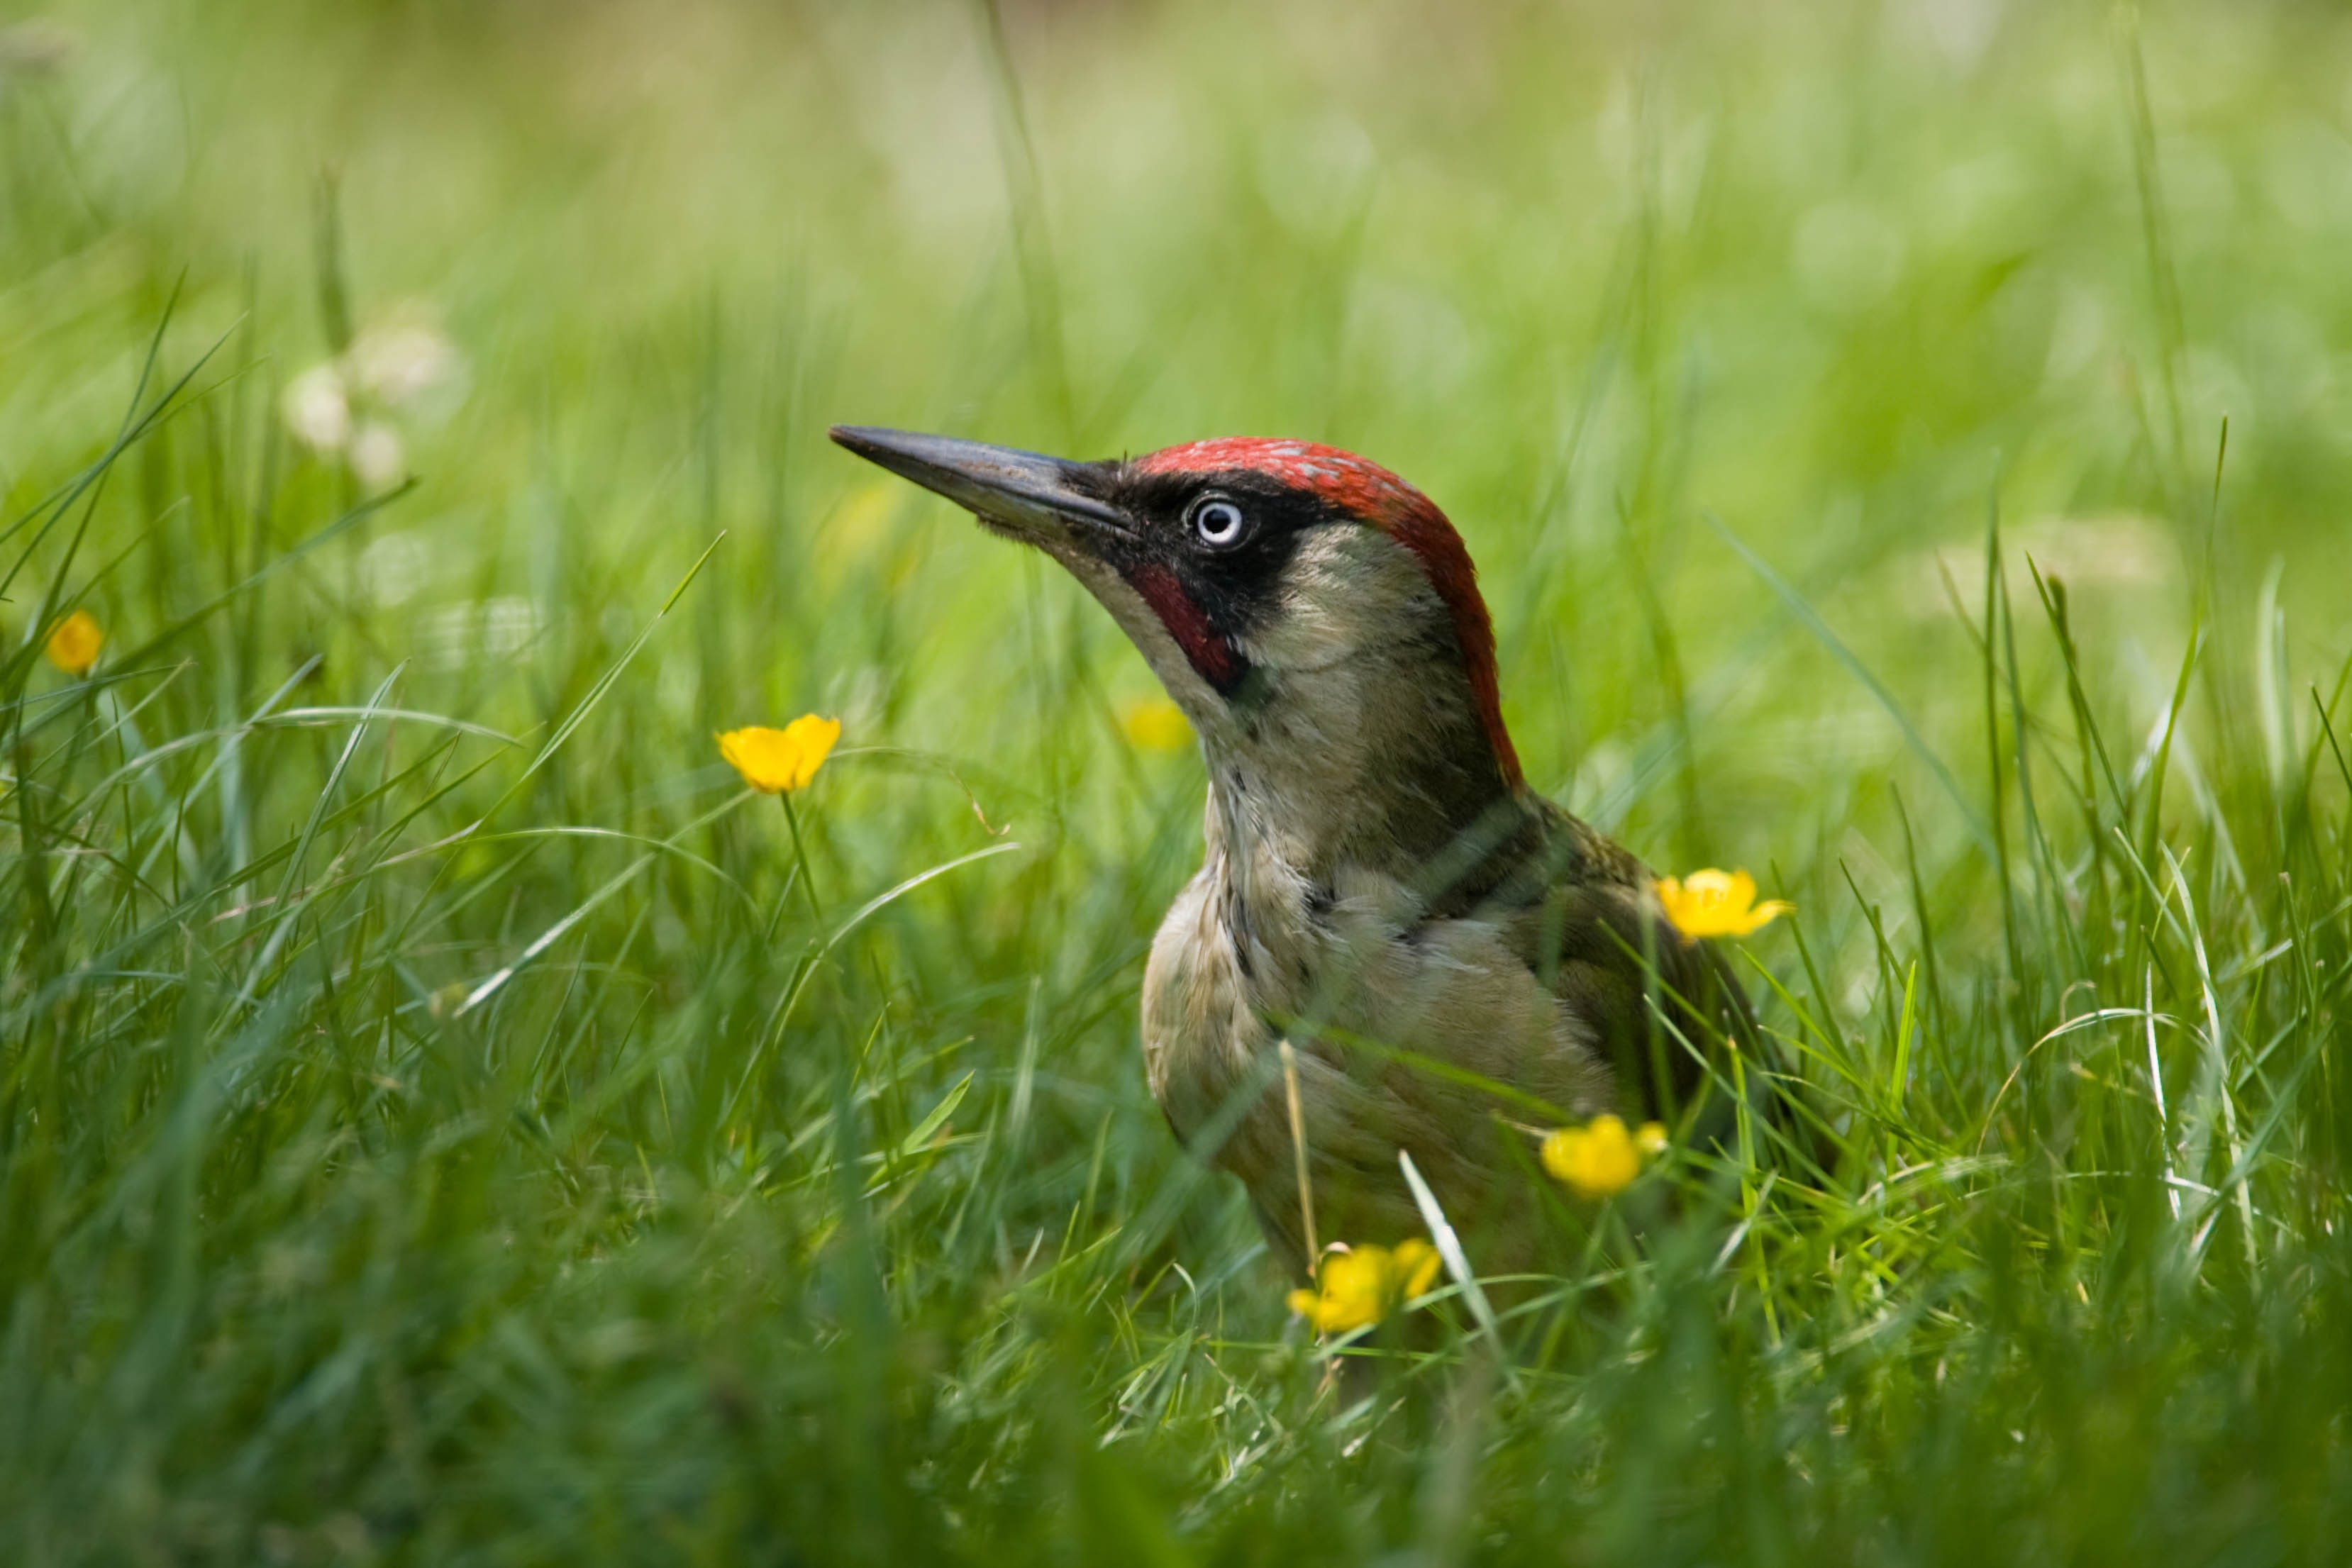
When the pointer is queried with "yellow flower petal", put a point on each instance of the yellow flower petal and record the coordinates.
(1597, 1160)
(1651, 1140)
(1359, 1286)
(1155, 724)
(1416, 1263)
(773, 760)
(74, 643)
(1352, 1282)
(1716, 903)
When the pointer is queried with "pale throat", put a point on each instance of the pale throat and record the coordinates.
(1311, 816)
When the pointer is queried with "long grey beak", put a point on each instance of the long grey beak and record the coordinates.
(1023, 490)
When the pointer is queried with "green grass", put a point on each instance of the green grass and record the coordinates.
(1835, 407)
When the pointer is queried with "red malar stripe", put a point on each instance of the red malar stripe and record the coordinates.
(1186, 622)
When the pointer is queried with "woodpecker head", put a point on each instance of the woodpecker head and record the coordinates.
(1316, 617)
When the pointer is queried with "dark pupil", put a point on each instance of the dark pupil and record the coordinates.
(1220, 520)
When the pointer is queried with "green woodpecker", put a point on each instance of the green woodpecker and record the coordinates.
(1380, 887)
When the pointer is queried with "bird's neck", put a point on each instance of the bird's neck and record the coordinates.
(1440, 824)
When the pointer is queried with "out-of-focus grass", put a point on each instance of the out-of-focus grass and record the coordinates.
(1726, 335)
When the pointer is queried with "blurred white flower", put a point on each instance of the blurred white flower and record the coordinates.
(401, 360)
(318, 410)
(346, 405)
(376, 456)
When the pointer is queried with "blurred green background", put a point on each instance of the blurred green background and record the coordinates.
(376, 373)
(1587, 278)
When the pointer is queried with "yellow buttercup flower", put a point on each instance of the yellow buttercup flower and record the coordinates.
(1361, 1285)
(1602, 1158)
(774, 760)
(1155, 724)
(1717, 904)
(74, 643)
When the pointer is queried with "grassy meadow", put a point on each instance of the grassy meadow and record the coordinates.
(446, 1119)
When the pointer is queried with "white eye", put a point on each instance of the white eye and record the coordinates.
(1219, 523)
